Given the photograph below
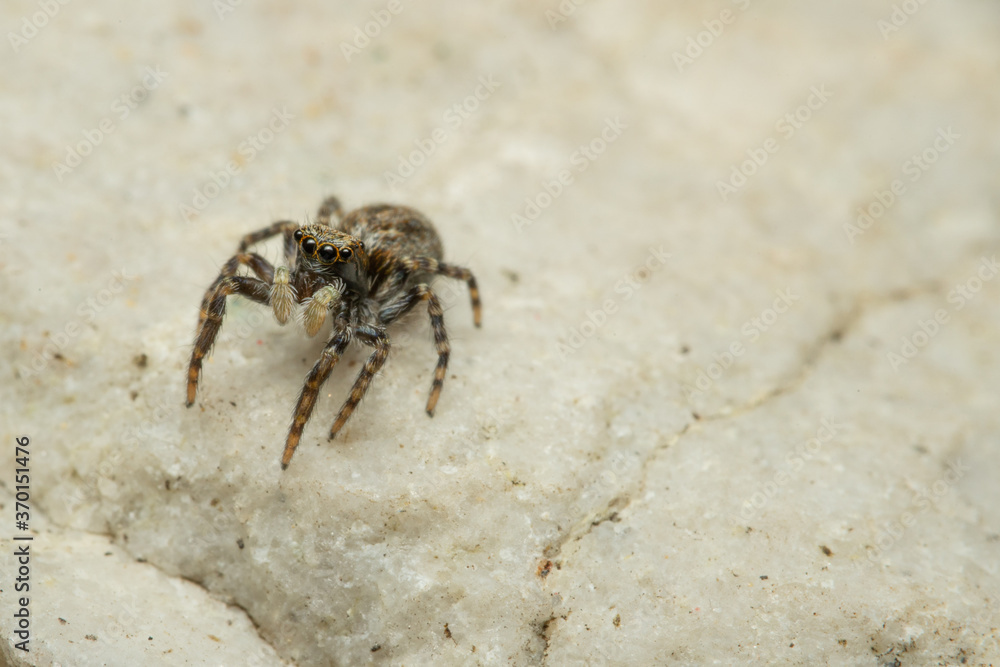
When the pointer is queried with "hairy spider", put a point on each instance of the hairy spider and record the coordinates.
(367, 271)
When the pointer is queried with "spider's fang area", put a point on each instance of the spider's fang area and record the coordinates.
(282, 295)
(316, 309)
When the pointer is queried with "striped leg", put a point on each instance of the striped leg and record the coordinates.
(310, 390)
(286, 227)
(403, 305)
(462, 273)
(329, 208)
(375, 338)
(433, 266)
(211, 320)
(257, 264)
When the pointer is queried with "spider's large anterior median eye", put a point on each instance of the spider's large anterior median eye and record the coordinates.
(345, 254)
(309, 245)
(327, 252)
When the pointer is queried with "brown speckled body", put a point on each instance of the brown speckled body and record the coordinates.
(366, 272)
(393, 232)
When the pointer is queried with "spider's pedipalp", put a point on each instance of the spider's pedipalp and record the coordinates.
(282, 295)
(316, 308)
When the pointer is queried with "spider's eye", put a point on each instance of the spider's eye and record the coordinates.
(361, 246)
(297, 235)
(309, 245)
(327, 252)
(345, 254)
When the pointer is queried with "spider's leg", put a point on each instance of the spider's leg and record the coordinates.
(285, 227)
(314, 380)
(462, 273)
(329, 208)
(211, 320)
(380, 341)
(275, 228)
(430, 265)
(403, 305)
(257, 264)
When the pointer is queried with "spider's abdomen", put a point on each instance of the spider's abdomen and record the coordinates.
(391, 232)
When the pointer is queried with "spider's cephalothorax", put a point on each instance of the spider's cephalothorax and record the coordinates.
(366, 272)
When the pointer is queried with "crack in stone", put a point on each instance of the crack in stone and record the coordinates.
(545, 625)
(112, 539)
(842, 326)
(232, 602)
(542, 630)
(612, 512)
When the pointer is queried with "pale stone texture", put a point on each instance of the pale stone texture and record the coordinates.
(592, 489)
(91, 603)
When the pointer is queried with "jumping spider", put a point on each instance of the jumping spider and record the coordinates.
(367, 271)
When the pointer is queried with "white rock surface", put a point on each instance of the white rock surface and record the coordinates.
(91, 603)
(603, 483)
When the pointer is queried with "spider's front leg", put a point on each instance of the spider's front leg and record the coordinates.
(377, 338)
(210, 318)
(283, 296)
(283, 227)
(314, 380)
(257, 264)
(269, 288)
